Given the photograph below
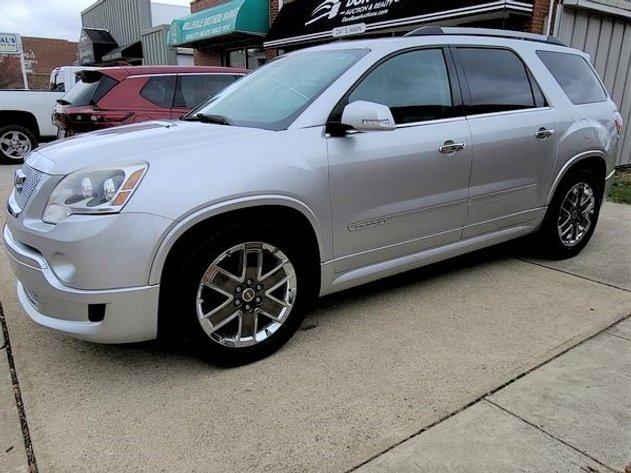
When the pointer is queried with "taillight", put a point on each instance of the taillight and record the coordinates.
(619, 123)
(100, 117)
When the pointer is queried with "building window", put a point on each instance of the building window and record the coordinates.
(246, 58)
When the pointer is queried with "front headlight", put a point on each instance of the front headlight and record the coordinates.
(97, 190)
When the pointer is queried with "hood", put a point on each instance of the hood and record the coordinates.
(146, 141)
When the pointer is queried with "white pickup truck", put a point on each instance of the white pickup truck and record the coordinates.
(25, 115)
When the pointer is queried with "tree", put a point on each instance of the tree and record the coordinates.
(11, 72)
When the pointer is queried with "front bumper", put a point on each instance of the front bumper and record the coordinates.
(130, 314)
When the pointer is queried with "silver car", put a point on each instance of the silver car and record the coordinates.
(328, 168)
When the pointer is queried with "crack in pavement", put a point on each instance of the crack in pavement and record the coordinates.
(569, 273)
(490, 393)
(30, 454)
(548, 434)
(619, 336)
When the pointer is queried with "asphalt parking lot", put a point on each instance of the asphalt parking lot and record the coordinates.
(371, 368)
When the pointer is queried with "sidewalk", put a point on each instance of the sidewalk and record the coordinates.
(571, 415)
(491, 363)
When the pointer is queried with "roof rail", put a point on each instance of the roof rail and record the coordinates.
(437, 30)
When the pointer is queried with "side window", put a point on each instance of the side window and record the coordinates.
(415, 85)
(159, 90)
(191, 90)
(575, 76)
(498, 81)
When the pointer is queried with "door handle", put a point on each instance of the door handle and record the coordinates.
(450, 147)
(544, 133)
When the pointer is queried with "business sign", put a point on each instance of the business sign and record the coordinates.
(349, 30)
(350, 11)
(313, 20)
(9, 43)
(238, 16)
(86, 49)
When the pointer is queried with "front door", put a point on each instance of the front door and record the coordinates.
(395, 193)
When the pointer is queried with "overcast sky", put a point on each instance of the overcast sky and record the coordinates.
(49, 18)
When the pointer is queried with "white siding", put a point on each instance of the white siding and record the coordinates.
(154, 47)
(607, 39)
(124, 19)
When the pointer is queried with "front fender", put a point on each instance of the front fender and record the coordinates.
(180, 227)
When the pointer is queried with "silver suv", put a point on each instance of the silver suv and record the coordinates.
(327, 168)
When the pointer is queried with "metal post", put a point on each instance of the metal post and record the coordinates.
(22, 61)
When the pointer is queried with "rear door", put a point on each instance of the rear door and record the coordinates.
(157, 98)
(515, 139)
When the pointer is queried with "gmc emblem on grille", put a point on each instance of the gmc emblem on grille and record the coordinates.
(19, 179)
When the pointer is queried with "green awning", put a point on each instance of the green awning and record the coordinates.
(249, 17)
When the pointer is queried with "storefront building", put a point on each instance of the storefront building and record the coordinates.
(305, 22)
(602, 28)
(130, 32)
(225, 33)
(263, 28)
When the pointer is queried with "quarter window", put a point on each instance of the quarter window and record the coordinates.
(415, 85)
(498, 81)
(575, 76)
(159, 90)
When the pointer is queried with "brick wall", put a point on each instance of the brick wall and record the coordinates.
(273, 13)
(204, 58)
(200, 57)
(42, 55)
(538, 21)
(199, 5)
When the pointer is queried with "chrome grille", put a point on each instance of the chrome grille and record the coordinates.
(33, 178)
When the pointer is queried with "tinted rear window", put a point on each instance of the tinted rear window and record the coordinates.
(498, 81)
(575, 76)
(90, 89)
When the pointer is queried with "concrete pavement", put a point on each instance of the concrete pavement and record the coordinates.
(374, 367)
(571, 415)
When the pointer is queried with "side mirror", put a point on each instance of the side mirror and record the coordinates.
(368, 116)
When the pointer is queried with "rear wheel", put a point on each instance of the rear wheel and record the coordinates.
(572, 216)
(15, 143)
(239, 295)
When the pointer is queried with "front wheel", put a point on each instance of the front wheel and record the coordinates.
(572, 216)
(239, 294)
(15, 143)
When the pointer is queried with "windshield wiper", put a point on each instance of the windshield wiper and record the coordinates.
(204, 118)
(63, 102)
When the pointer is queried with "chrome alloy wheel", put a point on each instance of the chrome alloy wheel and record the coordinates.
(576, 214)
(246, 294)
(15, 144)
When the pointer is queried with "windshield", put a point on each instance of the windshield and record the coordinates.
(89, 90)
(273, 96)
(56, 86)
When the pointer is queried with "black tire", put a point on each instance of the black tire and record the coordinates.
(12, 153)
(549, 238)
(179, 295)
